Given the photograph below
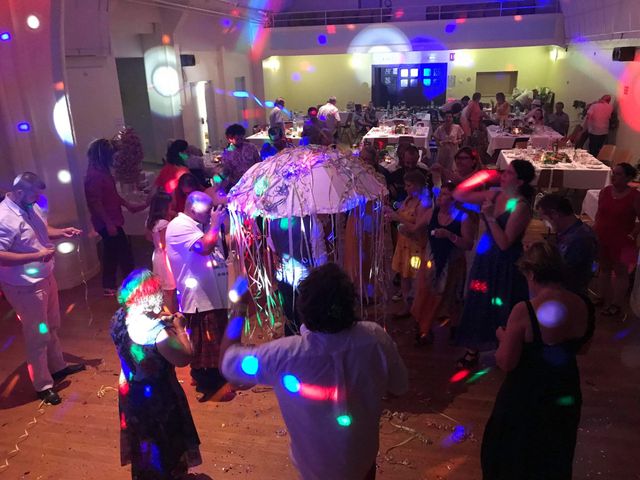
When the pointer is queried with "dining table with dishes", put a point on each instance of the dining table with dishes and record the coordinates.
(505, 138)
(420, 134)
(566, 168)
(260, 138)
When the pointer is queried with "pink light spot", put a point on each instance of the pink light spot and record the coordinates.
(459, 376)
(351, 27)
(123, 422)
(461, 20)
(316, 392)
(478, 286)
(30, 370)
(331, 29)
(517, 18)
(399, 13)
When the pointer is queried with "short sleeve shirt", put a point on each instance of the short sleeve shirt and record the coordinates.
(23, 232)
(320, 379)
(201, 280)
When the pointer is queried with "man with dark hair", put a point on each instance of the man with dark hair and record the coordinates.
(576, 241)
(559, 120)
(26, 278)
(315, 131)
(238, 157)
(278, 115)
(329, 381)
(409, 160)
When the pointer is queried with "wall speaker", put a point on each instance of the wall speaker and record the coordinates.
(624, 54)
(187, 60)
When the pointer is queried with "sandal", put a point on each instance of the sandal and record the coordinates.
(468, 361)
(611, 311)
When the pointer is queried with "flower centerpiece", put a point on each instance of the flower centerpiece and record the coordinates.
(127, 162)
(553, 158)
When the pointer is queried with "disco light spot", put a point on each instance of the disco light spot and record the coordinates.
(66, 247)
(291, 383)
(484, 244)
(344, 420)
(461, 375)
(512, 203)
(565, 401)
(5, 37)
(296, 77)
(331, 29)
(191, 282)
(322, 39)
(478, 286)
(24, 127)
(517, 18)
(147, 391)
(415, 262)
(497, 301)
(450, 28)
(250, 365)
(43, 329)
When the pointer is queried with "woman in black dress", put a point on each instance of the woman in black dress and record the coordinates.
(495, 284)
(157, 434)
(532, 431)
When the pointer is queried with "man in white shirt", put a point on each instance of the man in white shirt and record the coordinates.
(329, 381)
(26, 278)
(195, 253)
(330, 114)
(597, 123)
(278, 116)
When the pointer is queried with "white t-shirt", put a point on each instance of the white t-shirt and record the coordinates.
(159, 258)
(338, 376)
(330, 114)
(201, 280)
(598, 118)
(23, 232)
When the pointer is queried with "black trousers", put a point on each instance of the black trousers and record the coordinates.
(116, 252)
(595, 143)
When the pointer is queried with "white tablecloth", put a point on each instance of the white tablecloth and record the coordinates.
(502, 140)
(575, 175)
(260, 138)
(590, 203)
(420, 138)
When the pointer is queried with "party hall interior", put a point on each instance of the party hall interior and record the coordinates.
(338, 240)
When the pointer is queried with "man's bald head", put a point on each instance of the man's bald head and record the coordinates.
(198, 206)
(28, 181)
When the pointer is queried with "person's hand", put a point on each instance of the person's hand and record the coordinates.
(436, 168)
(45, 254)
(218, 216)
(488, 209)
(440, 233)
(112, 230)
(500, 332)
(70, 232)
(179, 321)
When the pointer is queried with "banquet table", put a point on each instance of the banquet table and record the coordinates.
(590, 203)
(584, 172)
(499, 139)
(420, 135)
(260, 138)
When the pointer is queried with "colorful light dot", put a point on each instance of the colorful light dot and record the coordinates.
(415, 262)
(137, 353)
(240, 94)
(322, 39)
(43, 329)
(66, 247)
(217, 179)
(291, 383)
(147, 391)
(31, 271)
(462, 374)
(517, 18)
(261, 186)
(33, 22)
(250, 365)
(565, 401)
(497, 301)
(284, 223)
(344, 420)
(512, 203)
(5, 36)
(450, 28)
(191, 282)
(478, 374)
(64, 176)
(429, 264)
(24, 127)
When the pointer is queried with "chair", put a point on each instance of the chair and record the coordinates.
(620, 155)
(345, 129)
(607, 153)
(521, 142)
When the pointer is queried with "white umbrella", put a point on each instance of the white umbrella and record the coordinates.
(303, 181)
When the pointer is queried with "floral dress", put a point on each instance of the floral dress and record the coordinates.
(157, 433)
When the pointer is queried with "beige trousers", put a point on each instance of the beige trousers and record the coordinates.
(39, 312)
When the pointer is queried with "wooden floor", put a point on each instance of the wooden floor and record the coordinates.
(245, 438)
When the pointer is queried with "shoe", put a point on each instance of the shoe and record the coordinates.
(109, 292)
(468, 361)
(68, 370)
(49, 396)
(397, 297)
